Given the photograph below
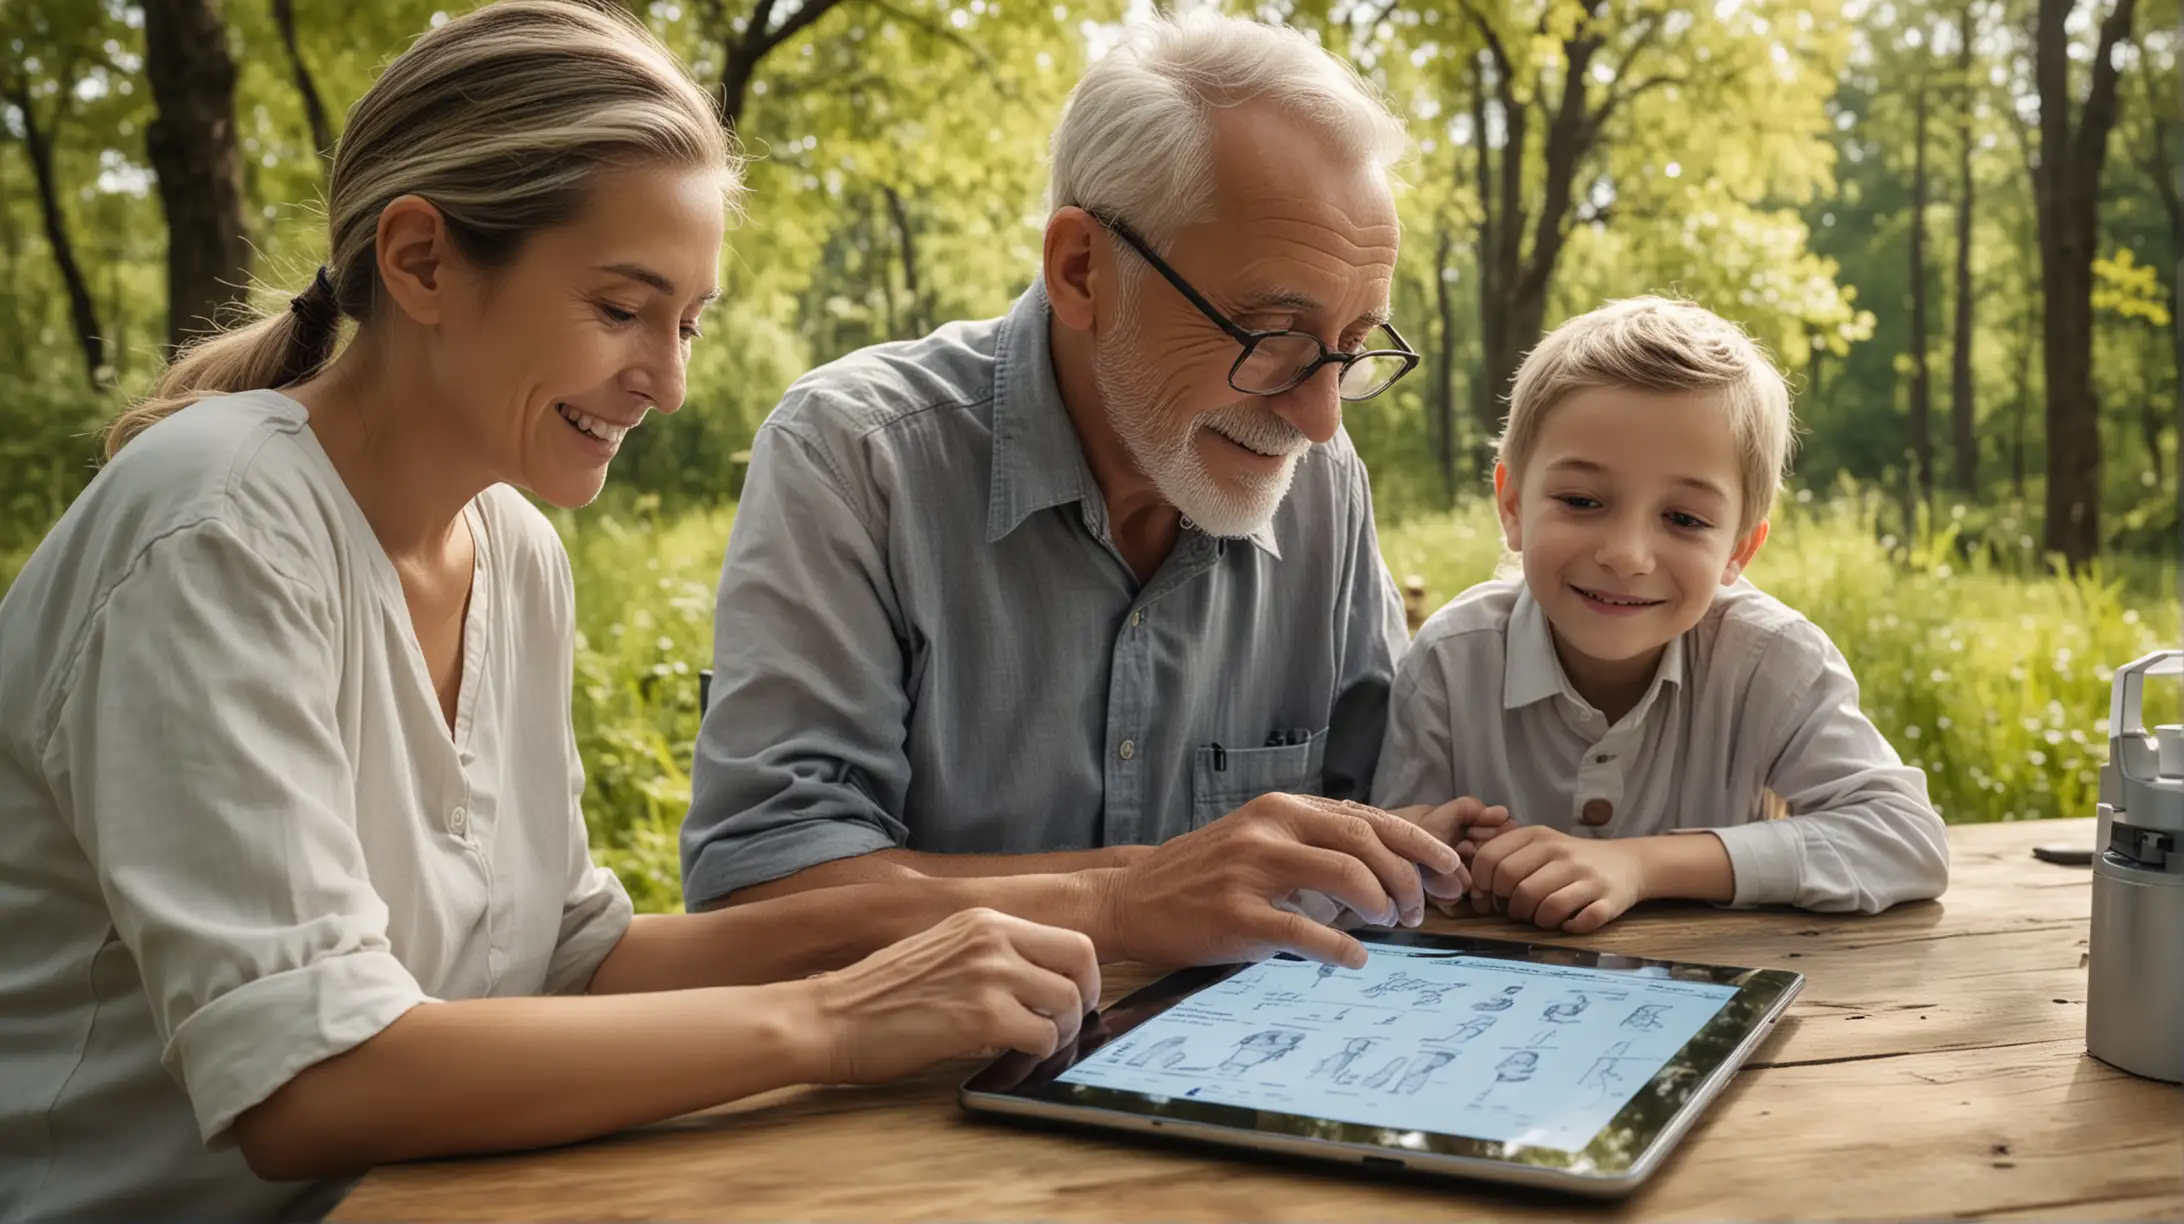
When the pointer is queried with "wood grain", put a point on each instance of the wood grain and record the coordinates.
(1934, 1066)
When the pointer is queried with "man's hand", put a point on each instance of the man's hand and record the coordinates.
(1208, 896)
(1555, 881)
(1465, 824)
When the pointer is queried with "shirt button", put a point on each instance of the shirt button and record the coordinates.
(1137, 618)
(1597, 812)
(458, 821)
(1127, 750)
(1603, 758)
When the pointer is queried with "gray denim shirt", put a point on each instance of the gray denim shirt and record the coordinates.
(926, 639)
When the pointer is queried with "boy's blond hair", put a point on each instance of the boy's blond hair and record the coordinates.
(1657, 344)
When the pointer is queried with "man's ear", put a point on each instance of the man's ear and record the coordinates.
(1076, 273)
(1505, 502)
(1747, 549)
(413, 257)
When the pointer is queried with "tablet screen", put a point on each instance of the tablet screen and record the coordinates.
(1510, 1051)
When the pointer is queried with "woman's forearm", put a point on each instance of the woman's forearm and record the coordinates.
(497, 1074)
(814, 932)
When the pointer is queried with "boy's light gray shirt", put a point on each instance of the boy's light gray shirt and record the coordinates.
(925, 638)
(1755, 696)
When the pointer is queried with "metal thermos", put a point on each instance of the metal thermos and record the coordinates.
(2134, 1006)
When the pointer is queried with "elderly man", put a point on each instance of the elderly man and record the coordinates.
(1077, 612)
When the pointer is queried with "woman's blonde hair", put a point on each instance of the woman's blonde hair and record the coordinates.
(500, 119)
(1661, 345)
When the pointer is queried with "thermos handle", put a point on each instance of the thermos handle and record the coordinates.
(2124, 700)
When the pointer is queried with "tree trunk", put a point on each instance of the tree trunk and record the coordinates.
(742, 53)
(2149, 419)
(82, 309)
(2019, 408)
(1922, 403)
(191, 143)
(1962, 412)
(2066, 192)
(314, 109)
(1443, 422)
(1487, 384)
(899, 214)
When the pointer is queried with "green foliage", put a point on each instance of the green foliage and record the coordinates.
(1995, 682)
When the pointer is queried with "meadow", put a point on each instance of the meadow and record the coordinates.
(1983, 667)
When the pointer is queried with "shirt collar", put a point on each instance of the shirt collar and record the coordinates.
(1532, 672)
(1038, 460)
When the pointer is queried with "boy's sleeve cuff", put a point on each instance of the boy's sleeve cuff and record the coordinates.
(1767, 859)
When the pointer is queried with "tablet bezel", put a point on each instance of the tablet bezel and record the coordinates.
(1617, 1156)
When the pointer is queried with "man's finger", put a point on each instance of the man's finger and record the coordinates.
(1338, 875)
(1299, 934)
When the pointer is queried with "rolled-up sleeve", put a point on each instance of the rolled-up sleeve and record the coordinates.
(198, 760)
(800, 759)
(1373, 638)
(1861, 834)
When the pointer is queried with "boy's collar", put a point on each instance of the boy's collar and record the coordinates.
(1532, 672)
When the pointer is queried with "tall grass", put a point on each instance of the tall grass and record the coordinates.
(1986, 672)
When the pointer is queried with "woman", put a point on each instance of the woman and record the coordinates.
(285, 752)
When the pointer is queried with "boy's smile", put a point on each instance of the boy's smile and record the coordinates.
(1626, 516)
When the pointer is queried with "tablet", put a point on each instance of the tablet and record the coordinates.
(1513, 1062)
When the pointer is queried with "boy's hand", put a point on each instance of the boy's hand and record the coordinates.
(1555, 881)
(1465, 824)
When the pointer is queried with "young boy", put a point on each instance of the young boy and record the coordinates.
(1633, 688)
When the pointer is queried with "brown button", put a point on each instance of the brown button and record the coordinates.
(1597, 812)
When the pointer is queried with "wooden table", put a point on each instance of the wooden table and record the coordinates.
(1935, 1065)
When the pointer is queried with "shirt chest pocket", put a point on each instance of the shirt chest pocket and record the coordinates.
(1224, 779)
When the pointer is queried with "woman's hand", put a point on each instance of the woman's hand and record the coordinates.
(978, 983)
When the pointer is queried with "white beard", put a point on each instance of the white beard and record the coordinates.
(1168, 453)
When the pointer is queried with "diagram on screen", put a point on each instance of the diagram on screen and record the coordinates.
(1501, 1002)
(1334, 1065)
(1421, 1070)
(1466, 1031)
(1424, 991)
(1167, 1052)
(1265, 1046)
(1611, 1073)
(1506, 1051)
(1379, 1078)
(1566, 1009)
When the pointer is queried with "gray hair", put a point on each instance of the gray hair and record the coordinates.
(1135, 138)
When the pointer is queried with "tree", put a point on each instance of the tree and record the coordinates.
(38, 144)
(192, 146)
(1922, 434)
(2066, 190)
(1962, 414)
(746, 41)
(314, 108)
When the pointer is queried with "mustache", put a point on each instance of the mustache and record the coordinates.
(1257, 429)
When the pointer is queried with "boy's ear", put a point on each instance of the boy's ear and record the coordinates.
(1747, 549)
(1505, 502)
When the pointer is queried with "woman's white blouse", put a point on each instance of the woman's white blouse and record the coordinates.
(236, 836)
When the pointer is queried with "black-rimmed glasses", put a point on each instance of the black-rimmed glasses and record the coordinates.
(1274, 361)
